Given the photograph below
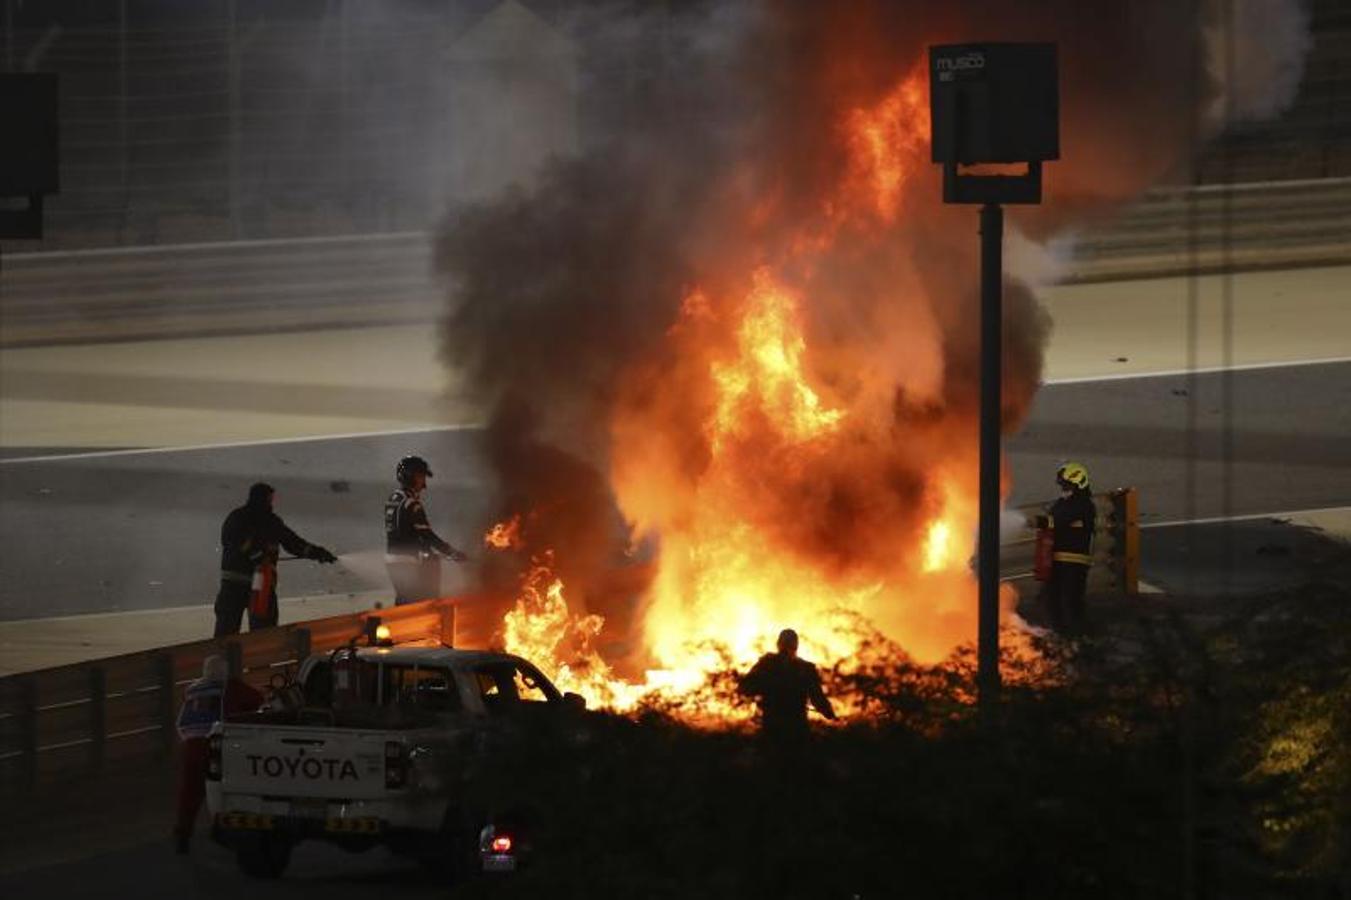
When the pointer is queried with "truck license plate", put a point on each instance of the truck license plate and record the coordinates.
(309, 809)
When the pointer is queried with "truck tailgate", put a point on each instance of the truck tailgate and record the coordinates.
(298, 761)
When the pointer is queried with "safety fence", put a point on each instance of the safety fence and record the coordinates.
(74, 720)
(242, 287)
(233, 120)
(1220, 228)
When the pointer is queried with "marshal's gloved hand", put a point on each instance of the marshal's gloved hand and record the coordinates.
(321, 554)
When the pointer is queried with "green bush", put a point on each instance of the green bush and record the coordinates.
(1180, 753)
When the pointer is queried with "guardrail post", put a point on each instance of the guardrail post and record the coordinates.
(1132, 548)
(234, 658)
(300, 638)
(98, 716)
(28, 693)
(1124, 553)
(448, 623)
(164, 676)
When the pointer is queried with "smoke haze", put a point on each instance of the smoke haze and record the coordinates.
(586, 309)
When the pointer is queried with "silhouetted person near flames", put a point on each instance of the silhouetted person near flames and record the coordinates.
(784, 685)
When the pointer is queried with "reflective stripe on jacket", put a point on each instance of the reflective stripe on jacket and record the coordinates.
(1073, 520)
(407, 531)
(1082, 559)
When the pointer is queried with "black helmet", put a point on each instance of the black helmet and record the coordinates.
(410, 465)
(260, 495)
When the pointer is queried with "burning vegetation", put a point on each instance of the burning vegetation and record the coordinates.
(731, 352)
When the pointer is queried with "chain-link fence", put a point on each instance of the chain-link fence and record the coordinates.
(236, 120)
(240, 119)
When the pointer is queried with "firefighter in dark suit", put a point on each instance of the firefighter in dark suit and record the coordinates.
(1072, 520)
(251, 539)
(413, 550)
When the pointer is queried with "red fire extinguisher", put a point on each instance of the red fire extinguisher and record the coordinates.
(260, 590)
(1042, 556)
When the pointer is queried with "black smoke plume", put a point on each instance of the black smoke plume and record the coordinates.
(697, 115)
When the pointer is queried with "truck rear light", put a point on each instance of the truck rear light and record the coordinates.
(396, 765)
(502, 844)
(213, 757)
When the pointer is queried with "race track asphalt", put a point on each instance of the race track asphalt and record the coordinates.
(142, 530)
(131, 531)
(149, 870)
(1198, 446)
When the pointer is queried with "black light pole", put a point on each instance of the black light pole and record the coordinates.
(991, 371)
(992, 103)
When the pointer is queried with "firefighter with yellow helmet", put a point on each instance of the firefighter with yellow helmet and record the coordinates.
(1072, 521)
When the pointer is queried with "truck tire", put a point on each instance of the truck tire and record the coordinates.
(452, 855)
(265, 856)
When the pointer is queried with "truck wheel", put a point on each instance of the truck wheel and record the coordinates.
(452, 854)
(439, 865)
(453, 860)
(264, 857)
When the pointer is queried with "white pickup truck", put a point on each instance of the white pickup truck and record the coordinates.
(375, 746)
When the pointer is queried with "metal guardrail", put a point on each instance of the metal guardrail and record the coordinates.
(259, 286)
(1219, 228)
(237, 287)
(73, 720)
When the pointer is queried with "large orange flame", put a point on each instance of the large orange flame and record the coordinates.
(772, 477)
(504, 535)
(765, 376)
(885, 141)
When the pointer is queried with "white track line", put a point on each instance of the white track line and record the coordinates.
(135, 451)
(1212, 370)
(94, 454)
(165, 249)
(1247, 517)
